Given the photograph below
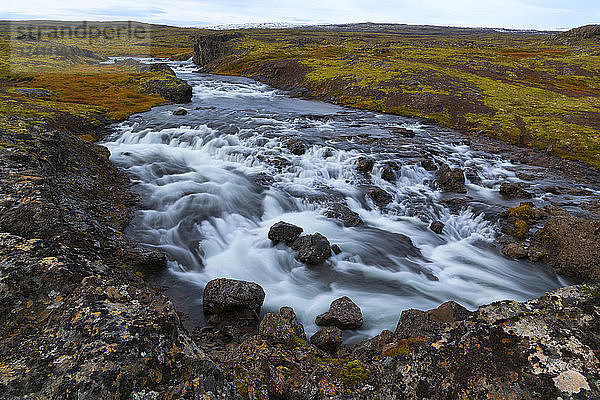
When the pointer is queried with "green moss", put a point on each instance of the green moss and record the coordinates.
(591, 290)
(521, 229)
(353, 373)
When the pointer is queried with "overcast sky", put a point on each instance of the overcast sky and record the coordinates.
(534, 14)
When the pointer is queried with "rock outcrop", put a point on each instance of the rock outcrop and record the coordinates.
(209, 48)
(282, 328)
(570, 245)
(540, 349)
(328, 338)
(227, 299)
(343, 313)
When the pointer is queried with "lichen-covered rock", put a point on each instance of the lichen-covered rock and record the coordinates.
(284, 232)
(343, 313)
(282, 328)
(225, 298)
(570, 245)
(328, 338)
(451, 180)
(312, 249)
(72, 328)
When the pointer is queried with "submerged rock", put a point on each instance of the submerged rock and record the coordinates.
(380, 197)
(229, 298)
(514, 191)
(428, 164)
(180, 112)
(364, 165)
(328, 338)
(451, 180)
(284, 232)
(312, 249)
(282, 328)
(296, 146)
(344, 214)
(387, 174)
(343, 313)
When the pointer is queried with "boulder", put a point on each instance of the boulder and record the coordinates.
(336, 249)
(380, 197)
(312, 249)
(284, 232)
(427, 324)
(180, 112)
(296, 146)
(343, 313)
(428, 164)
(514, 191)
(571, 245)
(451, 180)
(364, 165)
(437, 227)
(328, 339)
(387, 174)
(228, 296)
(407, 133)
(515, 250)
(167, 85)
(344, 214)
(282, 328)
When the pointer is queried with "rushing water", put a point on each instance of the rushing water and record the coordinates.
(215, 180)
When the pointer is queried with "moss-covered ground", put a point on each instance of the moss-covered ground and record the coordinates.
(538, 90)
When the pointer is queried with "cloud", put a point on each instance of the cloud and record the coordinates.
(540, 14)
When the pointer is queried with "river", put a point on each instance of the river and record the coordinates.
(215, 180)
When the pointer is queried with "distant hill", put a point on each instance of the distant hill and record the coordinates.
(587, 31)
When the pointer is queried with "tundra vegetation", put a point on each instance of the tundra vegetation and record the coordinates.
(537, 89)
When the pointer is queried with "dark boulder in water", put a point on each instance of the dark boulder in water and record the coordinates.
(437, 227)
(428, 164)
(387, 174)
(312, 249)
(344, 214)
(296, 146)
(336, 249)
(180, 112)
(284, 232)
(380, 197)
(343, 313)
(451, 179)
(365, 165)
(514, 191)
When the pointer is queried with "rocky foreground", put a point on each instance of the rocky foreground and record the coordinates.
(78, 319)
